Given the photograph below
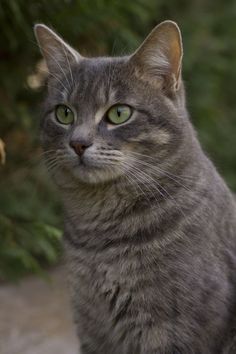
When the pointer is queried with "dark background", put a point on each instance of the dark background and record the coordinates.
(30, 212)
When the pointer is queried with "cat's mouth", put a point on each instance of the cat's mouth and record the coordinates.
(94, 169)
(84, 162)
(81, 162)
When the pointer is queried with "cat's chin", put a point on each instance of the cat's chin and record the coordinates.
(94, 175)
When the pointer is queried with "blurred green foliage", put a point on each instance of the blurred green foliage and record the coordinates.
(30, 212)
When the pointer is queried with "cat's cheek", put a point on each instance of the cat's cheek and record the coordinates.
(128, 132)
(52, 129)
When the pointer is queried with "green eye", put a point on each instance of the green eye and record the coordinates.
(119, 114)
(64, 114)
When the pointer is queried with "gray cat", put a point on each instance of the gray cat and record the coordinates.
(150, 226)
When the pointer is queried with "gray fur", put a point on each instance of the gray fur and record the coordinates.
(150, 226)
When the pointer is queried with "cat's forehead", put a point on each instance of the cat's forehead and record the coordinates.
(100, 65)
(100, 79)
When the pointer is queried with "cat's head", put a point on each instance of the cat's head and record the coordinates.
(111, 117)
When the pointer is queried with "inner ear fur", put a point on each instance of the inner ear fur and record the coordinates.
(159, 58)
(56, 52)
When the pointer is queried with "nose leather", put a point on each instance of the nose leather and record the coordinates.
(79, 147)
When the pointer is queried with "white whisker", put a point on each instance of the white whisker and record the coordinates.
(161, 169)
(68, 62)
(56, 78)
(155, 184)
(158, 170)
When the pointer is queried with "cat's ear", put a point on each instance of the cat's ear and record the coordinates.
(57, 53)
(160, 56)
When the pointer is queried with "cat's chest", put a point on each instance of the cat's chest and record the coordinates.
(100, 272)
(114, 279)
(106, 285)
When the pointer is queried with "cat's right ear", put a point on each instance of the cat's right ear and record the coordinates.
(159, 58)
(56, 52)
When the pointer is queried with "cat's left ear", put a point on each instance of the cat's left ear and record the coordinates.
(56, 52)
(159, 58)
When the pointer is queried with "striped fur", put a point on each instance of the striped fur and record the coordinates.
(150, 226)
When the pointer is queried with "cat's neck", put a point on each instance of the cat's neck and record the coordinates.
(86, 198)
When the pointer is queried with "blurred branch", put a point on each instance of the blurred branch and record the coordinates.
(2, 152)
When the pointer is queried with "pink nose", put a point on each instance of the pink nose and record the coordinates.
(79, 148)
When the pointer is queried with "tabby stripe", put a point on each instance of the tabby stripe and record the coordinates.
(123, 310)
(140, 237)
(114, 298)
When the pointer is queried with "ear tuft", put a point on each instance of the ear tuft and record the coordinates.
(160, 55)
(56, 52)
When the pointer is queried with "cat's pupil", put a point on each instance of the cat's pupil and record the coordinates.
(119, 112)
(66, 112)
